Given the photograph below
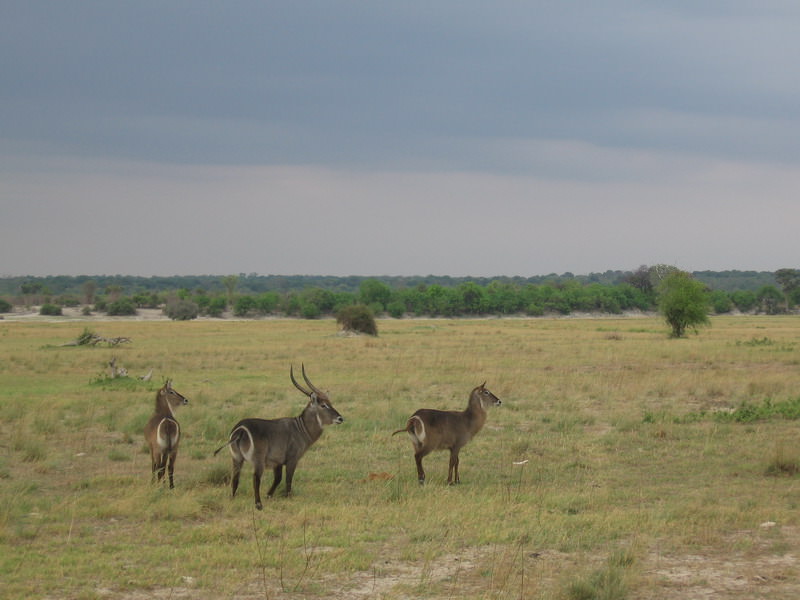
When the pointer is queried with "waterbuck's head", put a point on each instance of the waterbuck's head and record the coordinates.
(168, 398)
(318, 402)
(484, 397)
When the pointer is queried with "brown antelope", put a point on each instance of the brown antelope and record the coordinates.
(276, 443)
(432, 429)
(163, 433)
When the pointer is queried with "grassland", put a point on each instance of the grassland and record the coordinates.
(622, 464)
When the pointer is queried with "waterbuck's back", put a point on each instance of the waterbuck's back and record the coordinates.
(443, 428)
(274, 440)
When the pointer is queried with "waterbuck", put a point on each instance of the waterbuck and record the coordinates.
(163, 433)
(276, 443)
(431, 429)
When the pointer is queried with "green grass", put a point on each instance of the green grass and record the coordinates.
(609, 449)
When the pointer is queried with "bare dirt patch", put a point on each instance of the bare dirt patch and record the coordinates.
(767, 568)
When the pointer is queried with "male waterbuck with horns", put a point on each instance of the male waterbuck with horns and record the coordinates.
(163, 433)
(431, 429)
(275, 443)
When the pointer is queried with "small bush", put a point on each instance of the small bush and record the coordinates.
(396, 309)
(358, 318)
(181, 310)
(51, 310)
(121, 308)
(5, 305)
(309, 310)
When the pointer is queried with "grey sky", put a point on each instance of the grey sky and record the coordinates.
(454, 138)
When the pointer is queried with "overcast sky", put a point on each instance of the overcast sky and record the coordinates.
(398, 138)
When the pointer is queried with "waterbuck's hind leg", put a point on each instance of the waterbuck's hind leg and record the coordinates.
(236, 470)
(258, 469)
(171, 468)
(418, 456)
(162, 466)
(277, 475)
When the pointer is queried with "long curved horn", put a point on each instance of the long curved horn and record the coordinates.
(294, 381)
(311, 385)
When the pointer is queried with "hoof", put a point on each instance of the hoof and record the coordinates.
(258, 506)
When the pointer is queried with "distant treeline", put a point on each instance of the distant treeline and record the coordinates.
(729, 281)
(186, 297)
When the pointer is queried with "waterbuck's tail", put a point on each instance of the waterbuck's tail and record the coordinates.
(235, 437)
(229, 442)
(415, 427)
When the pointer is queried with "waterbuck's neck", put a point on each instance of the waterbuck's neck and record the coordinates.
(309, 424)
(163, 406)
(475, 413)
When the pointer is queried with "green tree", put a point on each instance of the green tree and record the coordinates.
(789, 280)
(89, 290)
(230, 281)
(770, 300)
(721, 302)
(372, 291)
(683, 301)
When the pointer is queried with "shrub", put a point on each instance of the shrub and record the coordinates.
(721, 302)
(68, 300)
(52, 310)
(396, 309)
(309, 310)
(744, 300)
(358, 318)
(121, 308)
(181, 310)
(243, 306)
(5, 305)
(216, 307)
(683, 302)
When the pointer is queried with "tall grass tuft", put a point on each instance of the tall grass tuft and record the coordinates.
(607, 583)
(784, 462)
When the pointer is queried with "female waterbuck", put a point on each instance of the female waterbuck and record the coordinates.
(163, 433)
(432, 429)
(275, 443)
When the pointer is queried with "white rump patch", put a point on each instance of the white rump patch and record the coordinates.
(418, 435)
(163, 442)
(248, 456)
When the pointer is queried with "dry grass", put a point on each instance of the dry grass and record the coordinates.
(620, 496)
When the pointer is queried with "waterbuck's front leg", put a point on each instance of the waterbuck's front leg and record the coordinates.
(277, 475)
(452, 471)
(290, 467)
